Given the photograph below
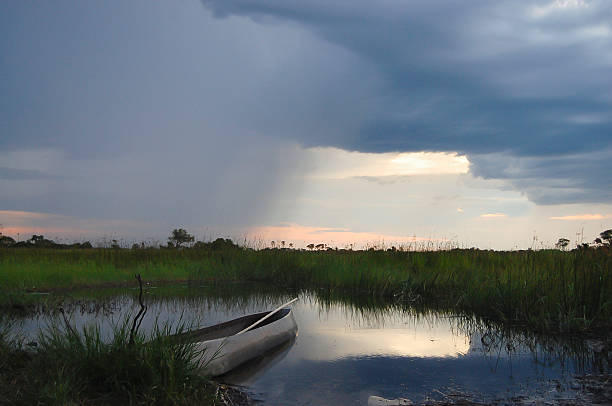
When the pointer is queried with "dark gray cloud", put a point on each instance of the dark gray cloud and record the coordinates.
(190, 115)
(134, 111)
(22, 174)
(577, 178)
(523, 78)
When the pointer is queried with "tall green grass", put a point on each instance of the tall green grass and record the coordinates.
(38, 269)
(69, 367)
(547, 290)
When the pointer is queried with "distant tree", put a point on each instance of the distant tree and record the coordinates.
(562, 243)
(310, 246)
(282, 244)
(76, 245)
(216, 245)
(179, 237)
(201, 245)
(6, 241)
(223, 244)
(320, 246)
(605, 238)
(39, 241)
(273, 243)
(290, 245)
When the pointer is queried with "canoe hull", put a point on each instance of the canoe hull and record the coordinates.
(221, 355)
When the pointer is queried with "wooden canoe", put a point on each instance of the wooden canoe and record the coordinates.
(224, 349)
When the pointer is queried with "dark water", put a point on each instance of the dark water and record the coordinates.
(350, 349)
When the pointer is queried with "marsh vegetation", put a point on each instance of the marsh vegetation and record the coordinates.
(346, 343)
(545, 290)
(66, 366)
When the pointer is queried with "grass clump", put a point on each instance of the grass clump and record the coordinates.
(68, 367)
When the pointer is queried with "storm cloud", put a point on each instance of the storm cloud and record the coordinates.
(206, 112)
(520, 79)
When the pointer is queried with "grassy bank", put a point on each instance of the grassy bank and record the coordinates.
(548, 290)
(69, 367)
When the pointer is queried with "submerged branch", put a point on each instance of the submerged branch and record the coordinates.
(66, 322)
(140, 315)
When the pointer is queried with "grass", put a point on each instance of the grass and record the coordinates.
(70, 368)
(546, 290)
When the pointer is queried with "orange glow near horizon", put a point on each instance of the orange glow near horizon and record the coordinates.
(22, 224)
(301, 236)
(24, 232)
(582, 217)
(16, 215)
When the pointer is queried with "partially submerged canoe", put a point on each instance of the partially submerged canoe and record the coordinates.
(249, 372)
(224, 349)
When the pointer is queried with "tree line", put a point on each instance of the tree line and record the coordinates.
(604, 240)
(180, 239)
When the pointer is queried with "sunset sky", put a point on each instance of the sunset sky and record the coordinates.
(471, 123)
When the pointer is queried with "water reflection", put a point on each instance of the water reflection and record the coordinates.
(254, 369)
(353, 347)
(339, 332)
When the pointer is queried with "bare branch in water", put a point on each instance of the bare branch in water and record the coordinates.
(140, 315)
(68, 326)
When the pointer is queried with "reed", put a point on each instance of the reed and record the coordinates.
(70, 367)
(546, 290)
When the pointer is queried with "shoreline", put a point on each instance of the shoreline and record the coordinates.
(549, 291)
(228, 395)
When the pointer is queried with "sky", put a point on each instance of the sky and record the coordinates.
(365, 123)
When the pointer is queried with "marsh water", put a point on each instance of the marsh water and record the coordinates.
(350, 348)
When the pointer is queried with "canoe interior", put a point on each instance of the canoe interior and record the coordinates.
(229, 328)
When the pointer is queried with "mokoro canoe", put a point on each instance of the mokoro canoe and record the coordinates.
(224, 349)
(249, 372)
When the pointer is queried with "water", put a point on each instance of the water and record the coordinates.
(349, 349)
